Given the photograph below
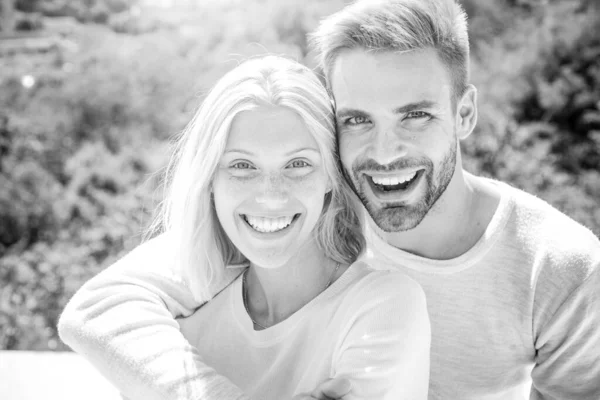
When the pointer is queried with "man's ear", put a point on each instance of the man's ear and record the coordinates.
(466, 112)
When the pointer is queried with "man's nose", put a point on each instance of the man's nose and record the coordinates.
(273, 191)
(388, 145)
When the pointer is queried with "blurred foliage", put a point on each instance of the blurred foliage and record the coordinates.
(85, 123)
(97, 11)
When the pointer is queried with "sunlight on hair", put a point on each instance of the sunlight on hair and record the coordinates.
(398, 25)
(188, 213)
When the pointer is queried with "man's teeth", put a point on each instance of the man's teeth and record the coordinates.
(263, 224)
(393, 180)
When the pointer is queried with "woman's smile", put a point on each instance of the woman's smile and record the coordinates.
(270, 190)
(271, 224)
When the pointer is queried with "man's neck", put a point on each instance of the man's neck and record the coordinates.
(454, 224)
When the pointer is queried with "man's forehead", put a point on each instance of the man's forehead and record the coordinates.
(364, 77)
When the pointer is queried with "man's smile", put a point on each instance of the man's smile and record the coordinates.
(392, 181)
(393, 186)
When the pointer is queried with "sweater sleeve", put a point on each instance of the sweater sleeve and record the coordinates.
(385, 347)
(123, 322)
(567, 344)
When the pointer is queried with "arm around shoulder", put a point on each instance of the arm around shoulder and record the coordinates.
(386, 346)
(123, 322)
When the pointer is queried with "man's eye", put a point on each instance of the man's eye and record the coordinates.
(241, 165)
(357, 120)
(299, 164)
(417, 115)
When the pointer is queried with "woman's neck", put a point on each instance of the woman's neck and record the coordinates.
(273, 294)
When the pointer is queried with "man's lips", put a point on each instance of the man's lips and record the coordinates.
(393, 184)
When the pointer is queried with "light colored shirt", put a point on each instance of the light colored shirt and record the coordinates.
(368, 326)
(521, 307)
(522, 303)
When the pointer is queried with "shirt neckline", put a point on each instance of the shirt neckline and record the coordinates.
(457, 264)
(279, 331)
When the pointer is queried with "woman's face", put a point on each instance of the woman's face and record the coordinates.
(270, 185)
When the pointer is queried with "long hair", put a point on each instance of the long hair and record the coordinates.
(187, 214)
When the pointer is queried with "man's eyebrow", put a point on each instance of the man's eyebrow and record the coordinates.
(349, 112)
(419, 105)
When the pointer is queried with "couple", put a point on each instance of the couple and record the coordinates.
(303, 286)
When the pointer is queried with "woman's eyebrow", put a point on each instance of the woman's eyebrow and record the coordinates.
(312, 149)
(239, 151)
(294, 151)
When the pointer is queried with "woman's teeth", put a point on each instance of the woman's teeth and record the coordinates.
(268, 225)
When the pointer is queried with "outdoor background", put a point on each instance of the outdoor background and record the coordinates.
(92, 90)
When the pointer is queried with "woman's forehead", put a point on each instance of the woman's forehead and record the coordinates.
(269, 130)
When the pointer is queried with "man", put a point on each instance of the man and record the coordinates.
(512, 285)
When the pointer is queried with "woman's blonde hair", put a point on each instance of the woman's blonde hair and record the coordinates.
(187, 213)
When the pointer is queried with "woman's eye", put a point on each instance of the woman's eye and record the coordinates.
(299, 164)
(357, 120)
(241, 165)
(417, 115)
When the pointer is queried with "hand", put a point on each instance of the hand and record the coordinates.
(331, 389)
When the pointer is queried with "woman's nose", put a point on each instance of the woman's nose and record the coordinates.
(273, 192)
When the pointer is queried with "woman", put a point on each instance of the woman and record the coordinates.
(255, 183)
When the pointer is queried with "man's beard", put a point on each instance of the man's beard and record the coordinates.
(403, 217)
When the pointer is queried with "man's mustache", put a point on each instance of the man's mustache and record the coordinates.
(374, 166)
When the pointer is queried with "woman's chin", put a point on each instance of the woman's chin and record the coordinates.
(269, 261)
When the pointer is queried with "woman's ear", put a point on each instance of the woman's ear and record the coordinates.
(466, 112)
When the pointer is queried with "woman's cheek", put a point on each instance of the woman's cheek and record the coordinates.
(235, 186)
(227, 187)
(309, 186)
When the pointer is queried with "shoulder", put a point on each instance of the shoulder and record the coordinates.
(385, 289)
(212, 312)
(539, 227)
(552, 230)
(535, 215)
(385, 310)
(562, 253)
(388, 282)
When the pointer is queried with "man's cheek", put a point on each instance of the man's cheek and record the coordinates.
(346, 159)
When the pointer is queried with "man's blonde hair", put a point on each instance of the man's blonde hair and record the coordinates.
(398, 25)
(201, 246)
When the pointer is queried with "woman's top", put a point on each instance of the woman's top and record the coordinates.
(369, 326)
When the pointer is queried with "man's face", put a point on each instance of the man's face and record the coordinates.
(397, 135)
